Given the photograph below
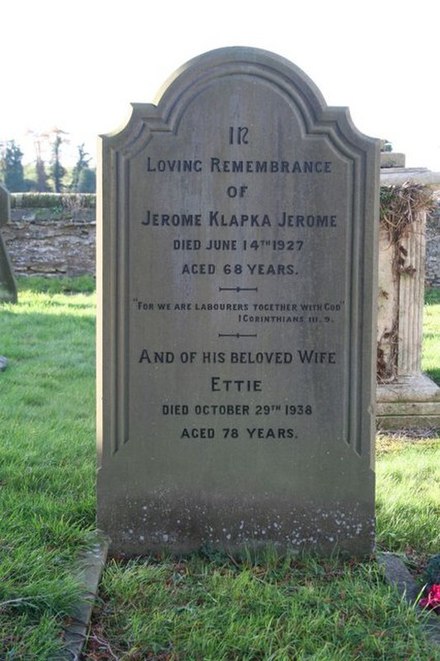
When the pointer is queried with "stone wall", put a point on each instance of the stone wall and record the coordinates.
(59, 238)
(433, 247)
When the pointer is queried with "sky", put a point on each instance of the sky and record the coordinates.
(77, 66)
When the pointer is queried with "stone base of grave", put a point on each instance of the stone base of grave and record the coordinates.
(409, 402)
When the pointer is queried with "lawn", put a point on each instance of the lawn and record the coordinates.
(204, 606)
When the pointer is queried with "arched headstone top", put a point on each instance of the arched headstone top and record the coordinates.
(248, 67)
(260, 65)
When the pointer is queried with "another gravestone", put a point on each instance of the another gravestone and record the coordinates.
(237, 293)
(8, 286)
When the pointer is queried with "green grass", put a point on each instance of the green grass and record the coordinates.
(408, 495)
(431, 335)
(198, 608)
(204, 606)
(47, 462)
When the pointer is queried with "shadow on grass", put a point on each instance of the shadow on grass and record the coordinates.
(84, 284)
(434, 374)
(432, 296)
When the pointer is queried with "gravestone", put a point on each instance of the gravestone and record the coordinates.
(236, 273)
(8, 286)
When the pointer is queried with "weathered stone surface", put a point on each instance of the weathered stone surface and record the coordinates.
(88, 570)
(432, 273)
(391, 159)
(399, 176)
(38, 244)
(5, 206)
(398, 576)
(409, 402)
(8, 287)
(405, 397)
(237, 316)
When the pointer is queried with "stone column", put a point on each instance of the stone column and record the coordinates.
(411, 297)
(405, 396)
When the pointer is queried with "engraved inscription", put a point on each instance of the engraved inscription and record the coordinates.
(242, 250)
